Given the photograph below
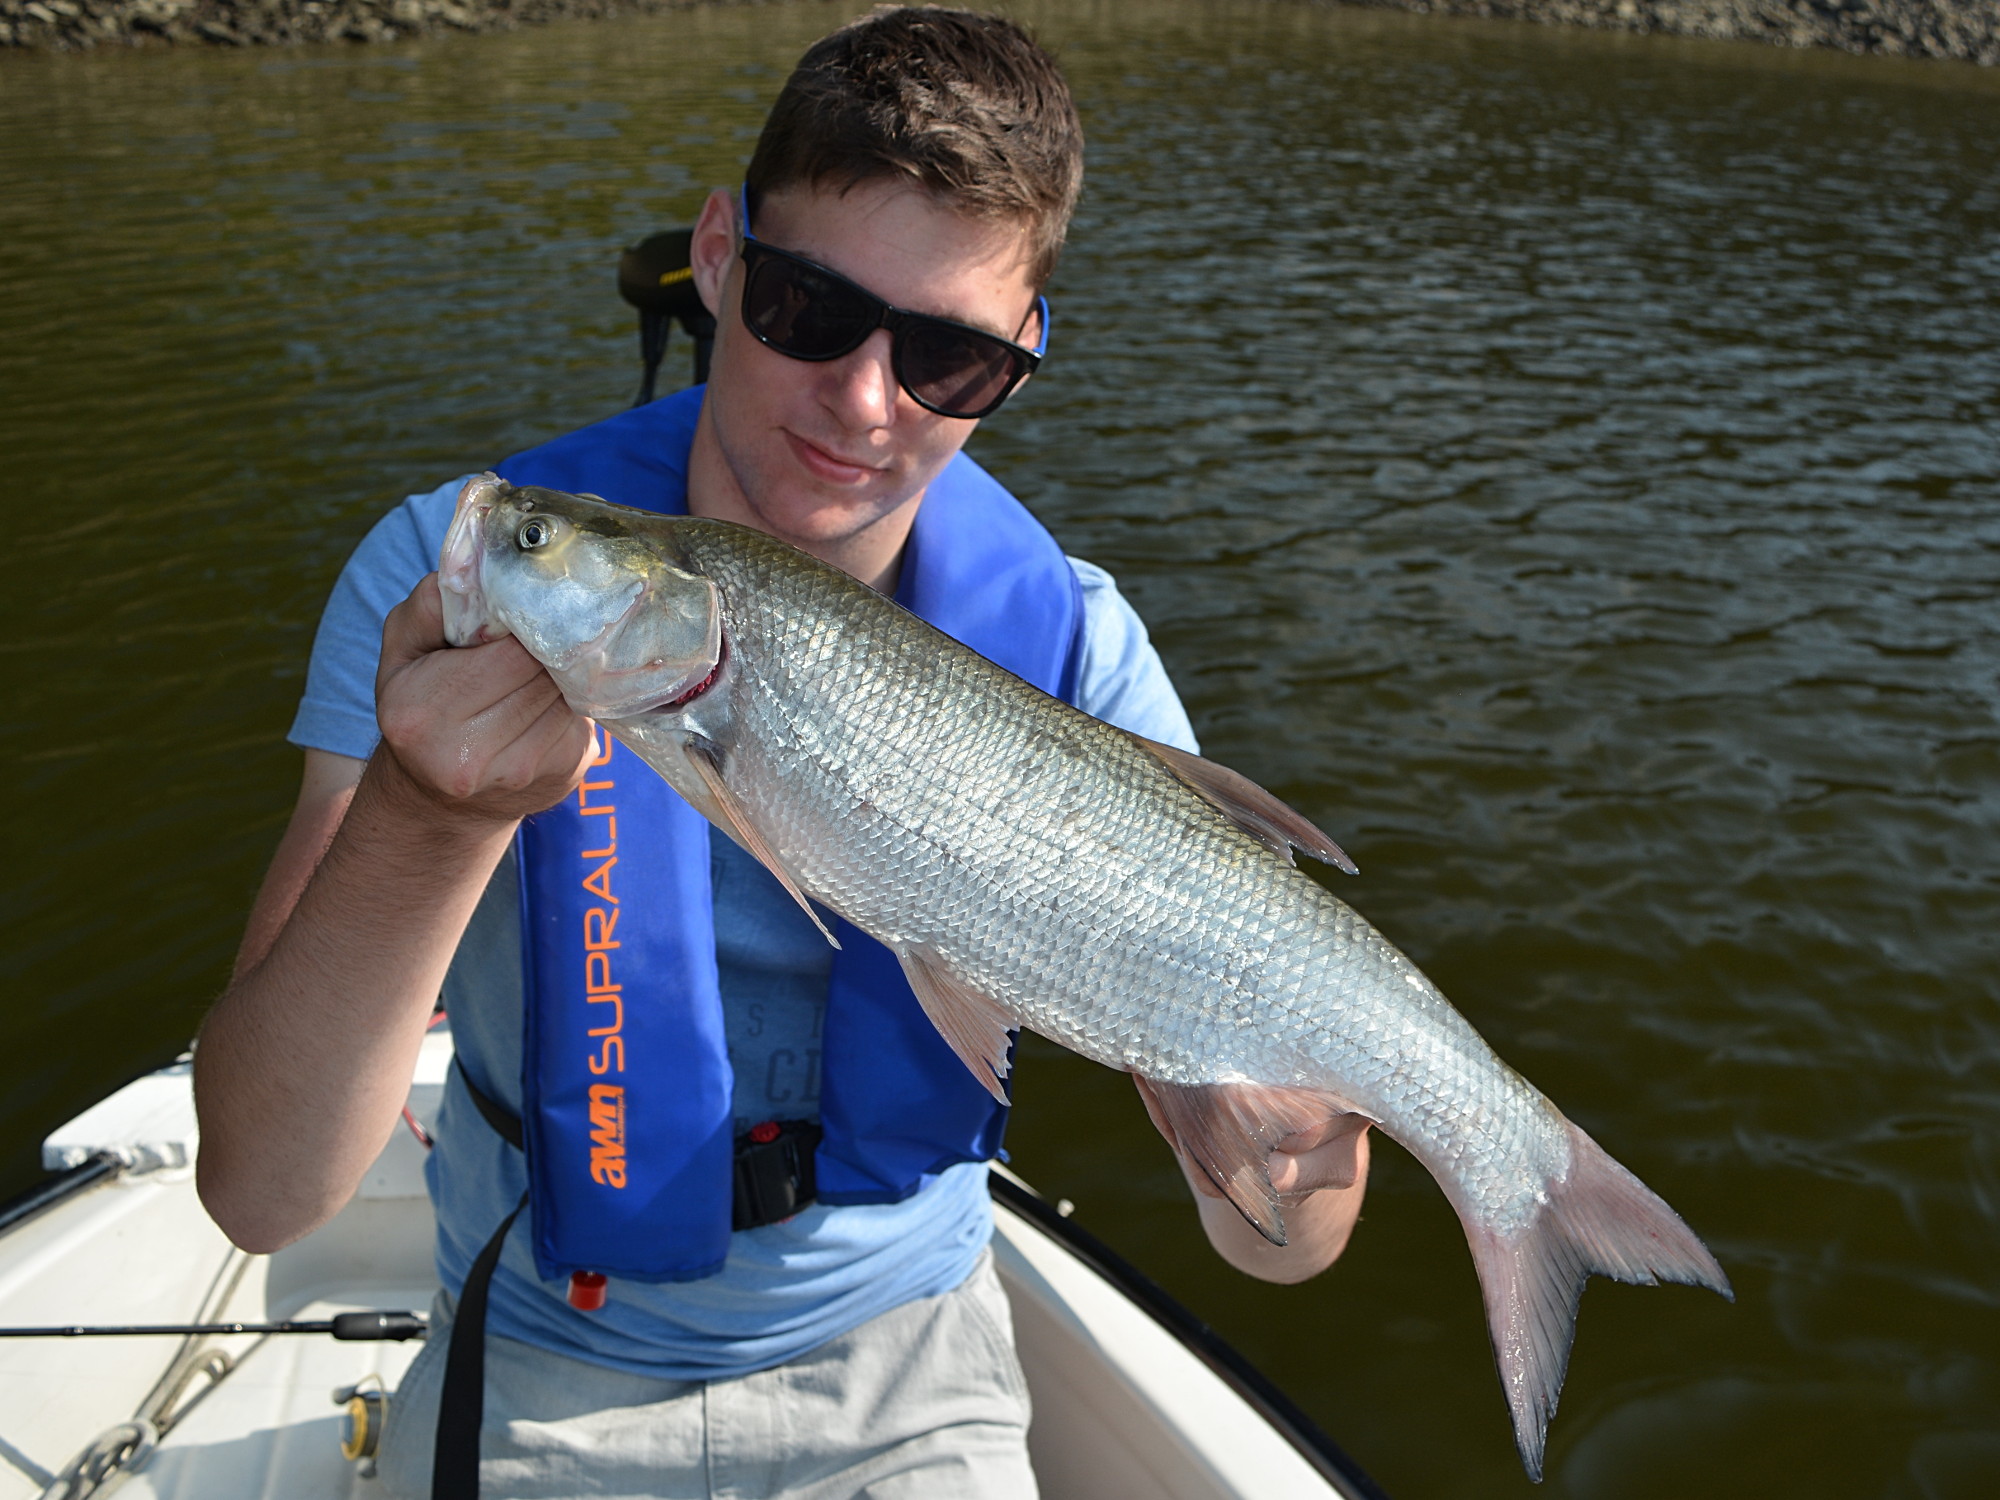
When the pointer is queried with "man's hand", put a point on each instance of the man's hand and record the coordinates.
(1327, 1156)
(480, 732)
(1321, 1173)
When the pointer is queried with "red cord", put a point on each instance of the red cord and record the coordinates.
(423, 1136)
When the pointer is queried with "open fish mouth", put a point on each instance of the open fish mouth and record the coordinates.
(467, 620)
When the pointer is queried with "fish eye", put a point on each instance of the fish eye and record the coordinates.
(536, 531)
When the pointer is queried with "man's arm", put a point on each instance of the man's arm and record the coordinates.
(325, 790)
(305, 1061)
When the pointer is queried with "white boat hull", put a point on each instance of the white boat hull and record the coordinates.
(1123, 1408)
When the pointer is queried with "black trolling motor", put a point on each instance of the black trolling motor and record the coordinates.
(656, 277)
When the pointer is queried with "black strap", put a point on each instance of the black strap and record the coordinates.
(492, 1111)
(462, 1402)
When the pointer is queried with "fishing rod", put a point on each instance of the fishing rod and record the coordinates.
(352, 1327)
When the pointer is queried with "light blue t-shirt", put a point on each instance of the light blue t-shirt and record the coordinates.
(786, 1288)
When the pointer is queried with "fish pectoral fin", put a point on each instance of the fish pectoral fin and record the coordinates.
(728, 815)
(978, 1027)
(1250, 807)
(1229, 1130)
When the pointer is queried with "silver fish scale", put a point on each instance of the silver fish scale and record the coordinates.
(1051, 863)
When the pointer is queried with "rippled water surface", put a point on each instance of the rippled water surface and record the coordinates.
(1564, 465)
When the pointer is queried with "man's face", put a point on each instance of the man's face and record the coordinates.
(824, 455)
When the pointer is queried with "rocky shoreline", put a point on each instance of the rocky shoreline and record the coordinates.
(1965, 30)
(76, 25)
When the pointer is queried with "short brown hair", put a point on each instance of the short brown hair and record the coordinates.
(966, 105)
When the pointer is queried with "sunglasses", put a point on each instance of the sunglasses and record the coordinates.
(802, 309)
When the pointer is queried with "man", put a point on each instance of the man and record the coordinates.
(877, 289)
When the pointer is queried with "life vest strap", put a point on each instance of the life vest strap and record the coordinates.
(505, 1125)
(462, 1401)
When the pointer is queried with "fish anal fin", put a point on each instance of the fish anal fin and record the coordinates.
(1230, 1129)
(1250, 807)
(727, 814)
(1599, 1220)
(978, 1027)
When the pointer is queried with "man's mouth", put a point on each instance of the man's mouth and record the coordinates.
(830, 465)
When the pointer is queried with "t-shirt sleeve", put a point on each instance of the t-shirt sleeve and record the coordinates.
(337, 712)
(1121, 679)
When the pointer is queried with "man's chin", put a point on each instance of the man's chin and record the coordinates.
(813, 517)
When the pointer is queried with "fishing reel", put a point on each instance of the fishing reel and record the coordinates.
(364, 1406)
(657, 277)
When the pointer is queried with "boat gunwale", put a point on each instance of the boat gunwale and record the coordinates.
(1327, 1458)
(58, 1187)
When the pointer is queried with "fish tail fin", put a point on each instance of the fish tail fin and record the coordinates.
(1600, 1220)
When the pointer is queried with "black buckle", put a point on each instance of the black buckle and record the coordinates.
(774, 1172)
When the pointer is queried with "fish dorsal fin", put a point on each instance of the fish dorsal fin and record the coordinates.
(977, 1026)
(728, 815)
(1230, 1129)
(1250, 807)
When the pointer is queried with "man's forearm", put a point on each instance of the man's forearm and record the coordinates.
(305, 1061)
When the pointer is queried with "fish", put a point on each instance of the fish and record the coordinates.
(1033, 867)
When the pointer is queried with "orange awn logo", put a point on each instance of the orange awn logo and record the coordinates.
(607, 1134)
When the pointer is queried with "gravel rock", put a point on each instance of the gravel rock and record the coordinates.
(75, 25)
(1966, 30)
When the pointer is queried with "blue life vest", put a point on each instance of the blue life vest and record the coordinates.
(626, 1082)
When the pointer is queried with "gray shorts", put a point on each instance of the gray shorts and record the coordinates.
(926, 1402)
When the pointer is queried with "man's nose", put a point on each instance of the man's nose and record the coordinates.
(863, 383)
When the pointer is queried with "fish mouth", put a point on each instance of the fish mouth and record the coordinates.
(467, 621)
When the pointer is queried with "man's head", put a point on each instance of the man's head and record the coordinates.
(932, 157)
(965, 106)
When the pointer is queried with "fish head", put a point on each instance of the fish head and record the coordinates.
(620, 628)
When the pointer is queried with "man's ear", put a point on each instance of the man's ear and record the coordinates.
(713, 248)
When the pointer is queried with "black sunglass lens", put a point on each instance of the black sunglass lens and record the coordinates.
(956, 371)
(803, 314)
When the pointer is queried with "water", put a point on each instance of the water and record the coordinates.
(1563, 464)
